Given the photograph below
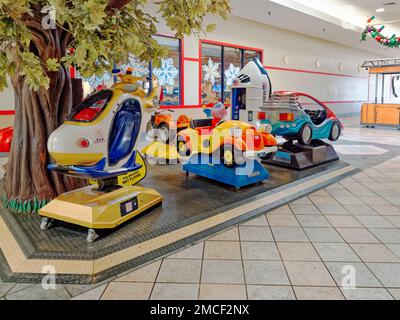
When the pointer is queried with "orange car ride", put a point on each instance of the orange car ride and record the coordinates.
(162, 126)
(235, 140)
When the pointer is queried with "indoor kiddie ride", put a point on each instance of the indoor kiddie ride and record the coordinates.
(97, 142)
(236, 139)
(162, 130)
(162, 126)
(250, 90)
(299, 116)
(225, 151)
(285, 114)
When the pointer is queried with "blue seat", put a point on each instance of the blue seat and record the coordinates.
(124, 132)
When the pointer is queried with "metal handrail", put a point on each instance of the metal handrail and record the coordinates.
(381, 62)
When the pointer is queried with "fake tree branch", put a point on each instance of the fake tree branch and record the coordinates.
(90, 27)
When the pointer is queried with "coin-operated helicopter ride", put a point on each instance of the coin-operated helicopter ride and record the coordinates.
(98, 142)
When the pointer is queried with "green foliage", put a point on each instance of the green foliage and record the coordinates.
(99, 34)
(32, 69)
(27, 206)
(52, 64)
(187, 16)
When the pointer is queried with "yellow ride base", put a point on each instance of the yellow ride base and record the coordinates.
(157, 149)
(98, 210)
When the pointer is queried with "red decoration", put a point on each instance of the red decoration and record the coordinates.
(84, 143)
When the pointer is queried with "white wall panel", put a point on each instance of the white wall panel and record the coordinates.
(191, 46)
(191, 83)
(7, 99)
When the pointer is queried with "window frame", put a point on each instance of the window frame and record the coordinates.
(223, 45)
(78, 108)
(181, 71)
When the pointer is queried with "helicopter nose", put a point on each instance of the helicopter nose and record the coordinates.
(50, 142)
(73, 145)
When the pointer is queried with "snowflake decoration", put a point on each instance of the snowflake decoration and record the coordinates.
(231, 73)
(94, 81)
(140, 69)
(167, 73)
(210, 71)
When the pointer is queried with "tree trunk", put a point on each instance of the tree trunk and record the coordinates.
(29, 184)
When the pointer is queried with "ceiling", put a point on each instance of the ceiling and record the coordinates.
(392, 8)
(339, 21)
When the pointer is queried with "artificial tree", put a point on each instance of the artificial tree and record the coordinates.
(40, 39)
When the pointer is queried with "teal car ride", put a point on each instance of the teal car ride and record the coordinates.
(299, 116)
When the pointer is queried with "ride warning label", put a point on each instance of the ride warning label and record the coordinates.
(130, 178)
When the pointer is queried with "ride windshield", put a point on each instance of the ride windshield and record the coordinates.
(91, 108)
(315, 110)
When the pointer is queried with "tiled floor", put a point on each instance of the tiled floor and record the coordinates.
(313, 248)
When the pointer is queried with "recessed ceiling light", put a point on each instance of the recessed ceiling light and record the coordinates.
(380, 9)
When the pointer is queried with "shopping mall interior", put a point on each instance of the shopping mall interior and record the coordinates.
(257, 159)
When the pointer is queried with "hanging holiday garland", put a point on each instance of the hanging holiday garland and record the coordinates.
(376, 33)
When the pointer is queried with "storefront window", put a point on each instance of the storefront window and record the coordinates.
(211, 73)
(220, 65)
(232, 66)
(168, 74)
(140, 68)
(249, 55)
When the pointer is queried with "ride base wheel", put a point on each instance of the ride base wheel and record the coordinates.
(46, 223)
(335, 132)
(92, 236)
